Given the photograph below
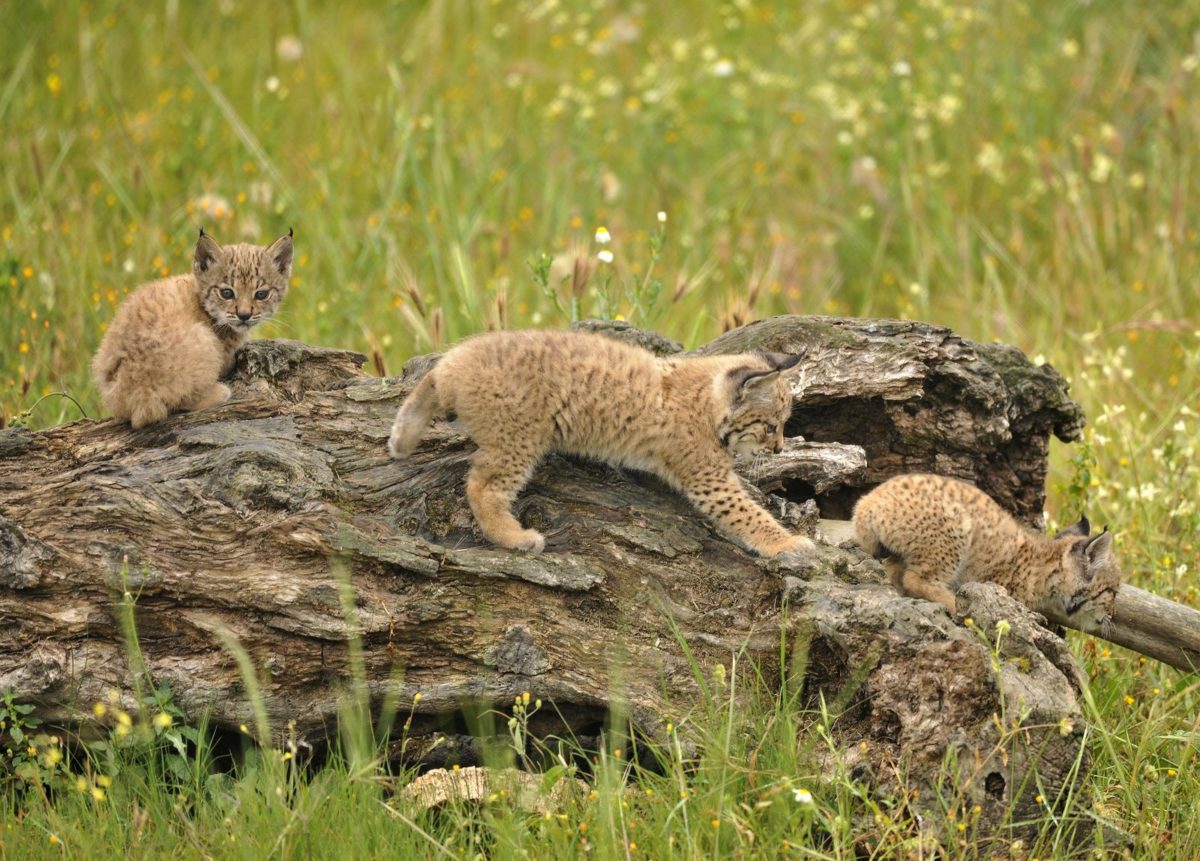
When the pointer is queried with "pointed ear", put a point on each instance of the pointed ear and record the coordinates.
(1082, 529)
(745, 383)
(280, 252)
(207, 252)
(783, 361)
(1099, 549)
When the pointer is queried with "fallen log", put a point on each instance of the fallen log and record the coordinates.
(1155, 626)
(251, 518)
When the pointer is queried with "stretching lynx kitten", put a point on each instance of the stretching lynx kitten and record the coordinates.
(934, 533)
(172, 339)
(520, 395)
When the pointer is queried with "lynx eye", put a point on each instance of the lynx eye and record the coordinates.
(226, 293)
(262, 294)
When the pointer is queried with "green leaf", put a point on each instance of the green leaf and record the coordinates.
(552, 776)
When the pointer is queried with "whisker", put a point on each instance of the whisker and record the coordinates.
(757, 465)
(282, 324)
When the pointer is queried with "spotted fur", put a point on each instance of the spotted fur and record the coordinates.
(520, 395)
(934, 533)
(172, 340)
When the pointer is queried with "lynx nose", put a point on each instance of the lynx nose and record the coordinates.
(243, 315)
(778, 446)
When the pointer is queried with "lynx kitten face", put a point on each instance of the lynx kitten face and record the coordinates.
(934, 533)
(520, 395)
(172, 340)
(242, 285)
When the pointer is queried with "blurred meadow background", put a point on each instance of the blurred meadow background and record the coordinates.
(1019, 171)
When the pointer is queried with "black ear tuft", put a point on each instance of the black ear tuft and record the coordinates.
(281, 253)
(207, 250)
(1082, 528)
(1098, 546)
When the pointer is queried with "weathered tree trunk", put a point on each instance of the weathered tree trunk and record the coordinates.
(240, 518)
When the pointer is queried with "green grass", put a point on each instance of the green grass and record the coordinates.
(1018, 171)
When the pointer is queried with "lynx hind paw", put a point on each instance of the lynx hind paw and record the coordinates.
(147, 414)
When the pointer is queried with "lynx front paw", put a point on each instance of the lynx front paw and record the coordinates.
(793, 559)
(218, 394)
(530, 540)
(796, 546)
(799, 553)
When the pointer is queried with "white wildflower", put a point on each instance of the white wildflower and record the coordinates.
(1102, 167)
(289, 49)
(990, 161)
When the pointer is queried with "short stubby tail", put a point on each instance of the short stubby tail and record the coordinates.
(414, 417)
(868, 538)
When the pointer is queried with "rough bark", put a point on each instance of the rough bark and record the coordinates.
(918, 398)
(252, 517)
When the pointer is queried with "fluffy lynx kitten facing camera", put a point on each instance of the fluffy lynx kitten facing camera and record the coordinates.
(934, 533)
(172, 340)
(521, 395)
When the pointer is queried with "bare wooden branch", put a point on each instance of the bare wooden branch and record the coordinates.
(1157, 627)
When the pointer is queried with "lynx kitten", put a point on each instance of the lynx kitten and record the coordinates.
(520, 395)
(172, 339)
(934, 533)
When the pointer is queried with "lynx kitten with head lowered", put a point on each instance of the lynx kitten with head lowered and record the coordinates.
(173, 339)
(520, 395)
(934, 533)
